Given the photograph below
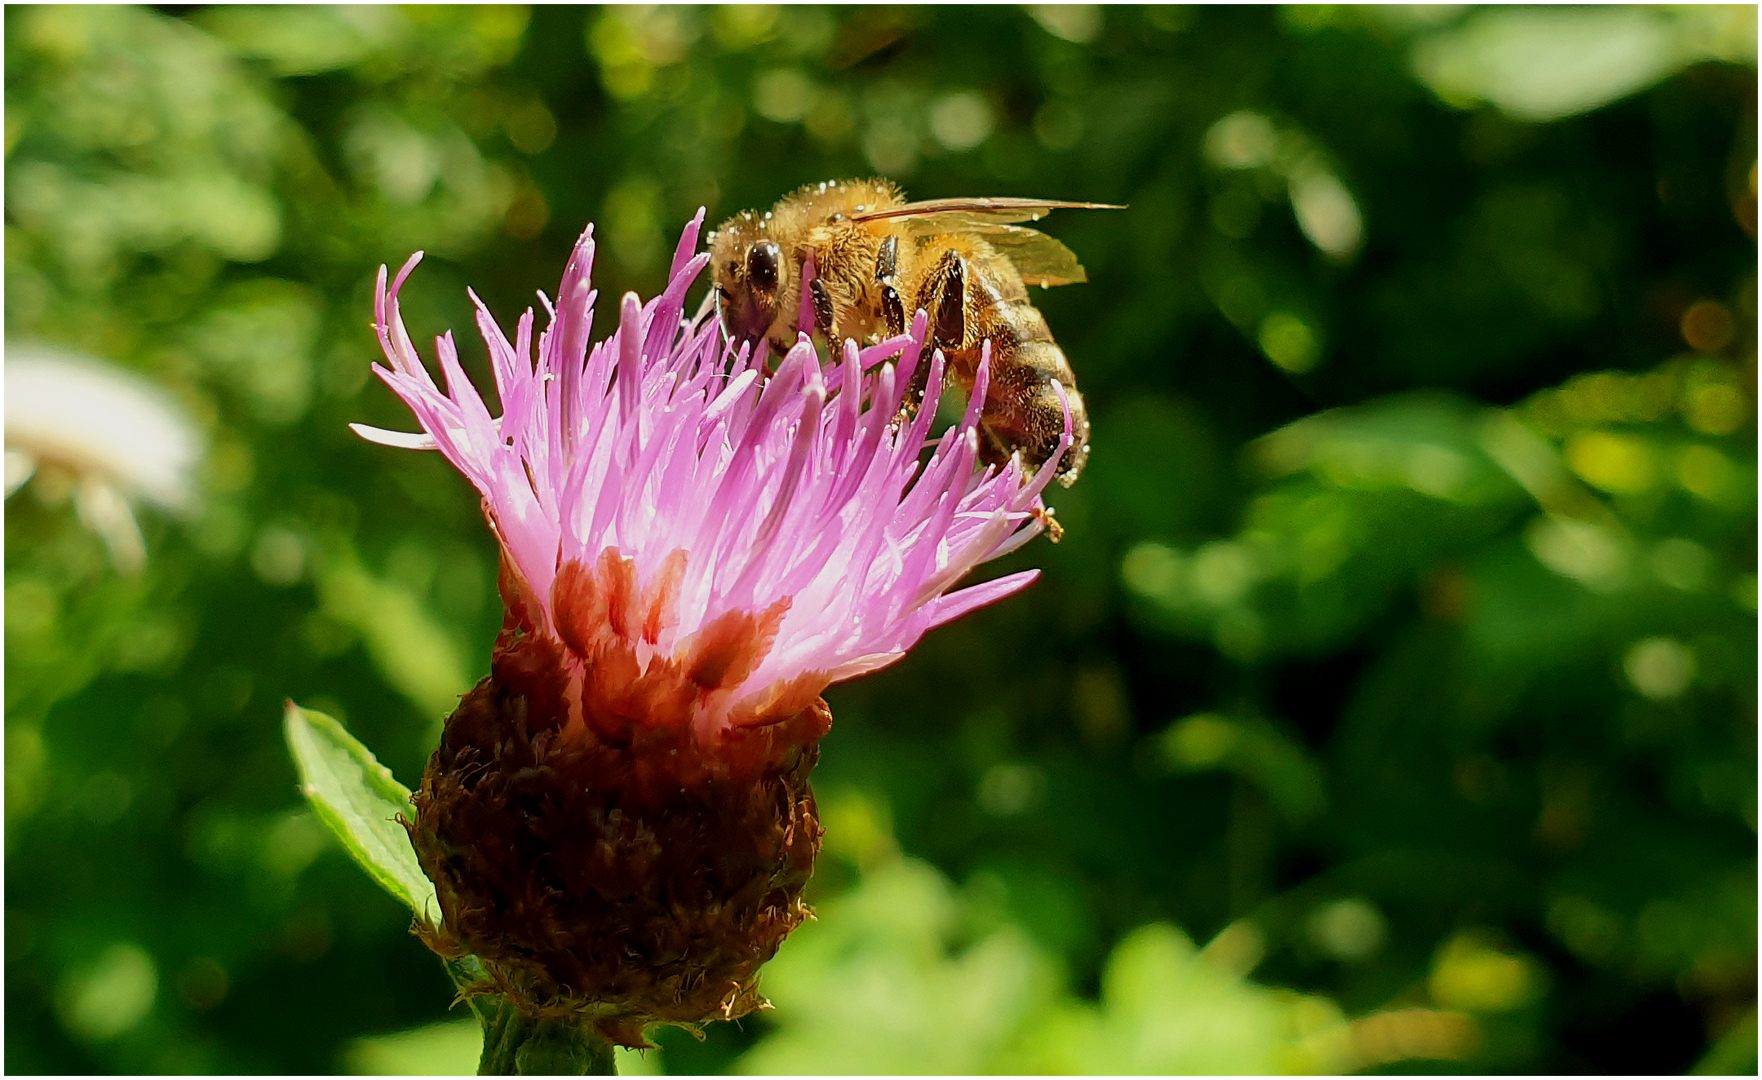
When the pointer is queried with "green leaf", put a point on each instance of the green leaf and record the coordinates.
(360, 800)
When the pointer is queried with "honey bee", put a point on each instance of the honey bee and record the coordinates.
(966, 263)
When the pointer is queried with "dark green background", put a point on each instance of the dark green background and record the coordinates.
(1441, 700)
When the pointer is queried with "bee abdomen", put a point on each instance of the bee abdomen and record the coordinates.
(1024, 412)
(1018, 328)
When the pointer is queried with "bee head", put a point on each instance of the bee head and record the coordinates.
(751, 273)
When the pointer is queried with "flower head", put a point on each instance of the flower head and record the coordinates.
(667, 510)
(618, 820)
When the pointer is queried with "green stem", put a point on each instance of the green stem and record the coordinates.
(515, 1044)
(518, 1044)
(564, 1048)
(503, 1034)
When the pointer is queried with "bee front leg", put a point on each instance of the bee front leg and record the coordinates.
(823, 318)
(892, 310)
(886, 271)
(887, 260)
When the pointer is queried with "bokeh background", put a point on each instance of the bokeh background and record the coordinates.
(1390, 704)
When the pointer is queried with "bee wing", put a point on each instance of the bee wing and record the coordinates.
(1039, 258)
(946, 214)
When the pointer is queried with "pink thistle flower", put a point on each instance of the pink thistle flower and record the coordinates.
(658, 497)
(618, 820)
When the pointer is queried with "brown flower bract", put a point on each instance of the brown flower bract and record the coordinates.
(586, 844)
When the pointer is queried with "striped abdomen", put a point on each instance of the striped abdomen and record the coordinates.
(1022, 411)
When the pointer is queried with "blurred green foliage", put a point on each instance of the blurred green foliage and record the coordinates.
(1400, 651)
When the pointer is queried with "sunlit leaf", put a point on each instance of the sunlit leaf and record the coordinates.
(360, 800)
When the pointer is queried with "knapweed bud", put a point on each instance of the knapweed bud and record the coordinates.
(618, 820)
(608, 864)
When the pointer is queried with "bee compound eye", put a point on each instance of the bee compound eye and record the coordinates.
(761, 265)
